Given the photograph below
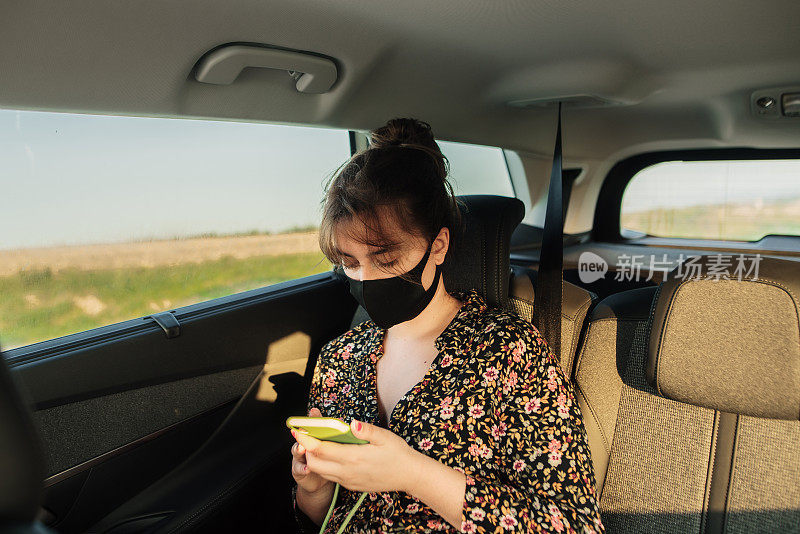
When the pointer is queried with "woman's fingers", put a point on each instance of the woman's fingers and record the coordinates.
(310, 443)
(298, 468)
(299, 465)
(322, 449)
(319, 464)
(298, 451)
(297, 456)
(328, 469)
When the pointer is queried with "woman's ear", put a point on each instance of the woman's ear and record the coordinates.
(440, 245)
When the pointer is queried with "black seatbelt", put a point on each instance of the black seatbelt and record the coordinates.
(547, 294)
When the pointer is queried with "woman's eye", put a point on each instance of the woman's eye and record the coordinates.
(383, 264)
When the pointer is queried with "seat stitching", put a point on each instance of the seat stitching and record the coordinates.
(606, 442)
(582, 350)
(574, 341)
(710, 473)
(732, 472)
(651, 320)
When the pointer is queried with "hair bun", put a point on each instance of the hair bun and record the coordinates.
(403, 131)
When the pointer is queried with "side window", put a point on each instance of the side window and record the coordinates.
(726, 200)
(108, 218)
(477, 169)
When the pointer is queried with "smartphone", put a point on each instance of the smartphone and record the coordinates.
(324, 428)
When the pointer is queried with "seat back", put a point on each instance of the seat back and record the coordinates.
(690, 394)
(21, 460)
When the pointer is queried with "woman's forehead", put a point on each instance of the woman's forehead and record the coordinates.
(354, 234)
(348, 234)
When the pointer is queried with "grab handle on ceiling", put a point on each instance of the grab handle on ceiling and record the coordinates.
(223, 65)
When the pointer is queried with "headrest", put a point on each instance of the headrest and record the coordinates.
(729, 344)
(481, 260)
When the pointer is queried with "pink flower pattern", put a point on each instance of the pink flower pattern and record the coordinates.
(494, 405)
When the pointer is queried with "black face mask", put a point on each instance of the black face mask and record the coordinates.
(390, 301)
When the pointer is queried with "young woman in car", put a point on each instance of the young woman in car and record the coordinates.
(473, 427)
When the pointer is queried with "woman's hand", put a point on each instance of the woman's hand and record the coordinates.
(386, 463)
(307, 480)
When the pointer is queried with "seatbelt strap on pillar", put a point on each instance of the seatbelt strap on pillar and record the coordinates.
(547, 295)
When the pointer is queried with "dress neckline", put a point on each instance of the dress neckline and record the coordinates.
(459, 326)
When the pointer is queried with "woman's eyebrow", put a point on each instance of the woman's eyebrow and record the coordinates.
(382, 250)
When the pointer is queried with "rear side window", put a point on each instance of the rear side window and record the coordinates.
(109, 218)
(724, 200)
(477, 169)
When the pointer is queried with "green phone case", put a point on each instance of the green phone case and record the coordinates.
(327, 434)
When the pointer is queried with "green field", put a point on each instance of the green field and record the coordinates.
(39, 305)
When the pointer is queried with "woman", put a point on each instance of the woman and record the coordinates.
(472, 425)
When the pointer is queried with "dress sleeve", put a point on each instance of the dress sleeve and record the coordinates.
(546, 478)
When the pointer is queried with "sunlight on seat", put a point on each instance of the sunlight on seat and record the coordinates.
(285, 355)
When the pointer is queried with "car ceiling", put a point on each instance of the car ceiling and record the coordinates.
(685, 69)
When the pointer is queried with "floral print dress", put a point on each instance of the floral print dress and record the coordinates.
(494, 404)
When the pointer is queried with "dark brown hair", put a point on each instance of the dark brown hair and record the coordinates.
(403, 172)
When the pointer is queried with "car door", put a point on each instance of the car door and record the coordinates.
(121, 408)
(175, 414)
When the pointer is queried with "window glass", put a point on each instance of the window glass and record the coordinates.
(728, 200)
(108, 218)
(477, 170)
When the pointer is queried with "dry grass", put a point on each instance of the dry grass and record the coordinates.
(155, 253)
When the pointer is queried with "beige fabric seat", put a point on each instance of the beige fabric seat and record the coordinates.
(575, 305)
(690, 394)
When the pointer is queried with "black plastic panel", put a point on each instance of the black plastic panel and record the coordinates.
(79, 500)
(228, 333)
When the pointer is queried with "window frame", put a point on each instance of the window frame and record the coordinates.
(607, 227)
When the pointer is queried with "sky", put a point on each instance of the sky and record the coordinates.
(676, 184)
(68, 179)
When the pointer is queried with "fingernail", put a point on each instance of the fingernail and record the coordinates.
(293, 434)
(358, 426)
(305, 468)
(300, 449)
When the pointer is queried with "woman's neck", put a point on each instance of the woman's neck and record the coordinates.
(432, 320)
